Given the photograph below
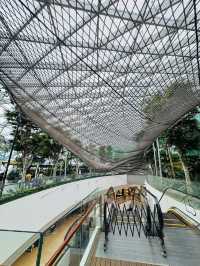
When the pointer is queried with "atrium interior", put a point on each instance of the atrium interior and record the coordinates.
(99, 132)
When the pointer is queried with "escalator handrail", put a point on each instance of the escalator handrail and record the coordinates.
(175, 209)
(152, 195)
(71, 226)
(176, 189)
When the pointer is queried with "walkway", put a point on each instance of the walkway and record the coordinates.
(181, 245)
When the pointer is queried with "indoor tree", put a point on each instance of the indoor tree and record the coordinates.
(32, 143)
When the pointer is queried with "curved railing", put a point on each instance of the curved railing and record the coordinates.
(20, 188)
(187, 199)
(185, 218)
(189, 194)
(38, 237)
(179, 190)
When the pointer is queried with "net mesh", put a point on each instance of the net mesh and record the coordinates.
(103, 77)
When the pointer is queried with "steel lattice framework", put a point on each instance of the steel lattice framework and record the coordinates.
(103, 77)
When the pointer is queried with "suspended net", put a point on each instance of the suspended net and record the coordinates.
(103, 77)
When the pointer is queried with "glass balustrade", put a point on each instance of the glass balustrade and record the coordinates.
(21, 188)
(73, 252)
(41, 246)
(188, 193)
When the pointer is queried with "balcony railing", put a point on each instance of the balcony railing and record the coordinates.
(76, 237)
(18, 189)
(189, 194)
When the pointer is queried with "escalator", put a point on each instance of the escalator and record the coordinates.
(134, 232)
(172, 221)
(182, 238)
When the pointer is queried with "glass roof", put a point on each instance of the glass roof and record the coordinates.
(103, 77)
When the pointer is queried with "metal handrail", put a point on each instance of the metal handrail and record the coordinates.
(8, 196)
(150, 193)
(176, 189)
(40, 239)
(175, 209)
(71, 226)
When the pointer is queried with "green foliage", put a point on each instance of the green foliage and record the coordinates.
(109, 152)
(35, 146)
(43, 146)
(102, 152)
(32, 143)
(4, 146)
(25, 133)
(159, 100)
(105, 152)
(155, 102)
(185, 135)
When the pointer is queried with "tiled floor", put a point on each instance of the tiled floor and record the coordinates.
(182, 248)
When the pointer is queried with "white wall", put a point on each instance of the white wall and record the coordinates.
(37, 211)
(136, 179)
